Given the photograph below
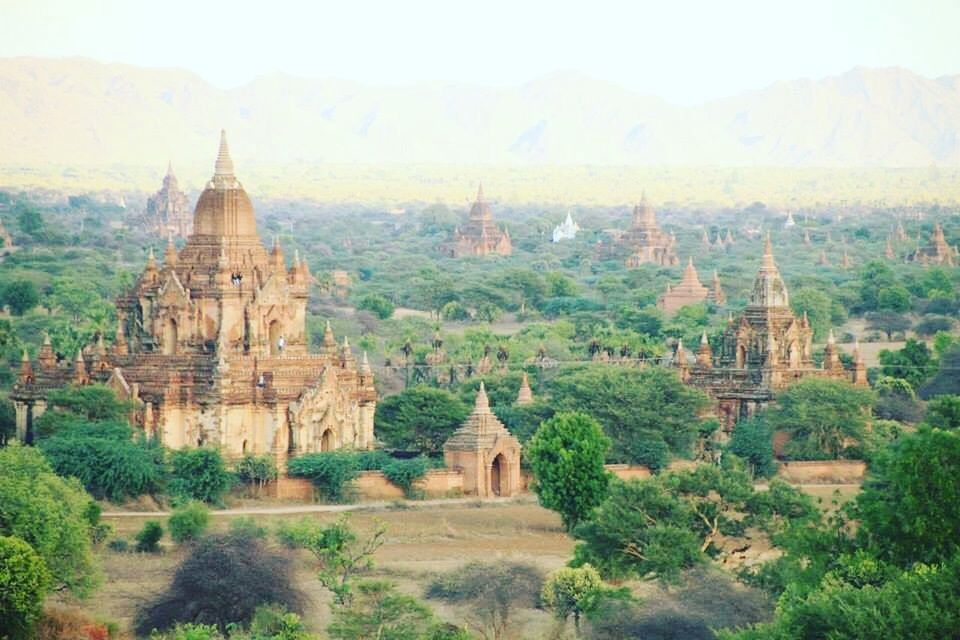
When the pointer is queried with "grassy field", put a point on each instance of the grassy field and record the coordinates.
(421, 543)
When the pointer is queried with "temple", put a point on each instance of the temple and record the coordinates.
(566, 230)
(6, 240)
(485, 452)
(480, 236)
(690, 291)
(937, 251)
(645, 241)
(168, 212)
(762, 352)
(211, 346)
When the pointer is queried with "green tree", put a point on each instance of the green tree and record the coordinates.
(752, 441)
(20, 295)
(419, 418)
(148, 538)
(560, 286)
(377, 305)
(821, 415)
(29, 219)
(577, 592)
(817, 305)
(895, 298)
(256, 471)
(567, 454)
(636, 407)
(340, 552)
(24, 582)
(875, 276)
(50, 514)
(330, 472)
(889, 322)
(913, 363)
(943, 412)
(378, 611)
(199, 474)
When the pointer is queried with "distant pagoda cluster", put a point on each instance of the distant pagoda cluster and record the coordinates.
(936, 251)
(645, 242)
(480, 236)
(168, 212)
(763, 351)
(211, 346)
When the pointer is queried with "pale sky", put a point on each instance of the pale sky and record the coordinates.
(680, 50)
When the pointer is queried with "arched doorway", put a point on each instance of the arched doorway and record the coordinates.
(499, 476)
(170, 337)
(794, 355)
(274, 333)
(326, 440)
(245, 447)
(291, 440)
(741, 356)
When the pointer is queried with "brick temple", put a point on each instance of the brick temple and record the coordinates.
(211, 346)
(645, 242)
(168, 212)
(480, 236)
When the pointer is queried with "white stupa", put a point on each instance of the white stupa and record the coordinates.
(567, 230)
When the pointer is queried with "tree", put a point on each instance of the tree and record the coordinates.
(8, 422)
(817, 305)
(491, 592)
(577, 592)
(50, 514)
(567, 454)
(895, 298)
(329, 471)
(875, 275)
(93, 403)
(753, 442)
(661, 526)
(29, 219)
(636, 407)
(222, 582)
(889, 322)
(932, 325)
(378, 305)
(945, 381)
(378, 611)
(20, 295)
(340, 553)
(909, 509)
(943, 412)
(256, 471)
(148, 538)
(24, 582)
(560, 286)
(822, 415)
(913, 363)
(199, 474)
(419, 418)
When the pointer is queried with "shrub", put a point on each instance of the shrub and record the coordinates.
(274, 622)
(330, 472)
(62, 623)
(223, 581)
(119, 545)
(24, 581)
(247, 527)
(943, 412)
(373, 459)
(378, 305)
(256, 471)
(199, 474)
(404, 473)
(188, 522)
(148, 539)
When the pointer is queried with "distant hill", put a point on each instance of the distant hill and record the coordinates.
(88, 114)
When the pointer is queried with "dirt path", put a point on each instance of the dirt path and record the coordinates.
(379, 505)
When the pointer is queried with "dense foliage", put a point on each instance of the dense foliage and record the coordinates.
(199, 474)
(24, 582)
(419, 419)
(189, 522)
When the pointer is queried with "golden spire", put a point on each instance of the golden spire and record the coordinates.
(480, 192)
(482, 404)
(365, 365)
(170, 255)
(525, 394)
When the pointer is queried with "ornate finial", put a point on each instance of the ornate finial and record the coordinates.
(346, 343)
(170, 169)
(831, 340)
(170, 255)
(480, 192)
(365, 365)
(483, 403)
(151, 260)
(703, 338)
(768, 245)
(329, 342)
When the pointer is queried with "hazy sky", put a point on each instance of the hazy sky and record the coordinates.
(683, 51)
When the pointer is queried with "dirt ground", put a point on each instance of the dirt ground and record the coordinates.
(422, 541)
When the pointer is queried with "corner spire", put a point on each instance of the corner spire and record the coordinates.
(482, 404)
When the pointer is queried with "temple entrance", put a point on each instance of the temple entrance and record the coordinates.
(274, 333)
(291, 441)
(499, 476)
(244, 448)
(741, 356)
(794, 355)
(326, 440)
(170, 337)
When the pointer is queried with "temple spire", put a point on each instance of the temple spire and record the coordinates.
(224, 165)
(525, 394)
(482, 404)
(170, 255)
(480, 197)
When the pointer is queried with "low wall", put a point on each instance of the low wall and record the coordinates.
(823, 471)
(287, 488)
(628, 471)
(372, 485)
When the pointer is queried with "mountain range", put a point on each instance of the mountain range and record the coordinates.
(84, 113)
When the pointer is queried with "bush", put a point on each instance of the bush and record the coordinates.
(24, 581)
(62, 623)
(943, 412)
(378, 305)
(404, 473)
(188, 522)
(753, 442)
(148, 539)
(222, 582)
(330, 471)
(199, 474)
(256, 471)
(650, 451)
(119, 545)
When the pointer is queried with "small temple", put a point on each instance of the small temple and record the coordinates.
(691, 291)
(480, 236)
(566, 230)
(763, 351)
(6, 240)
(485, 452)
(936, 251)
(645, 241)
(525, 394)
(211, 346)
(168, 212)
